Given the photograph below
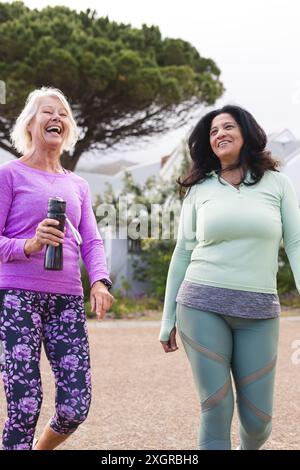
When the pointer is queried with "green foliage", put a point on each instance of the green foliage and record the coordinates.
(285, 278)
(153, 261)
(88, 312)
(85, 283)
(123, 82)
(290, 299)
(127, 306)
(126, 287)
(287, 291)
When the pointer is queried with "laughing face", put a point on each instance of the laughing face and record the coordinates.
(50, 125)
(226, 139)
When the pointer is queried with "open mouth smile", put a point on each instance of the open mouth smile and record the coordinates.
(54, 129)
(223, 143)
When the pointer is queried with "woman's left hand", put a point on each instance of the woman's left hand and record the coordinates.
(101, 300)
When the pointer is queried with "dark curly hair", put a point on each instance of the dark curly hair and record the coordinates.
(253, 154)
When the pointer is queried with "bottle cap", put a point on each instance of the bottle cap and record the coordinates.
(57, 204)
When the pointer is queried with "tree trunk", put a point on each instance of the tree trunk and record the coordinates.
(70, 161)
(9, 149)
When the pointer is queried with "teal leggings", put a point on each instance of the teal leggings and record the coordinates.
(217, 344)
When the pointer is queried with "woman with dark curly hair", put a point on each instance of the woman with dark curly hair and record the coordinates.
(222, 275)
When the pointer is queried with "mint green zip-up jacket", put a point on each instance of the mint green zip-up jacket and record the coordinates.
(230, 238)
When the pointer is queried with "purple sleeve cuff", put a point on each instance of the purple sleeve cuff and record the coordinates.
(96, 278)
(19, 253)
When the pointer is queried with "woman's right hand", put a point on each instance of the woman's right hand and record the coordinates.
(171, 345)
(45, 234)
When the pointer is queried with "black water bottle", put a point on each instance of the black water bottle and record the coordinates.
(54, 254)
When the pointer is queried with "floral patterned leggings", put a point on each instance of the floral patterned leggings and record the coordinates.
(28, 319)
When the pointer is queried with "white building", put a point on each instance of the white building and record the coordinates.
(119, 252)
(113, 174)
(285, 146)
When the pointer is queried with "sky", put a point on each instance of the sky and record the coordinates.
(254, 43)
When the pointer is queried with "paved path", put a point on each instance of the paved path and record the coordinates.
(145, 399)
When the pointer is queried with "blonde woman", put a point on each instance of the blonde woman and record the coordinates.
(37, 305)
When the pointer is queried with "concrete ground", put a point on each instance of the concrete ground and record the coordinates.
(145, 399)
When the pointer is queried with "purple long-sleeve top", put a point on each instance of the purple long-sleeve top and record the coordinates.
(24, 194)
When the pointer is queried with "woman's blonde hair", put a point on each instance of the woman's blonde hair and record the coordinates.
(21, 137)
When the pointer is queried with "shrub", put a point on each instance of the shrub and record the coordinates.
(285, 278)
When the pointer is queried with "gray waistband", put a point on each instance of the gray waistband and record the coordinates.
(228, 301)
